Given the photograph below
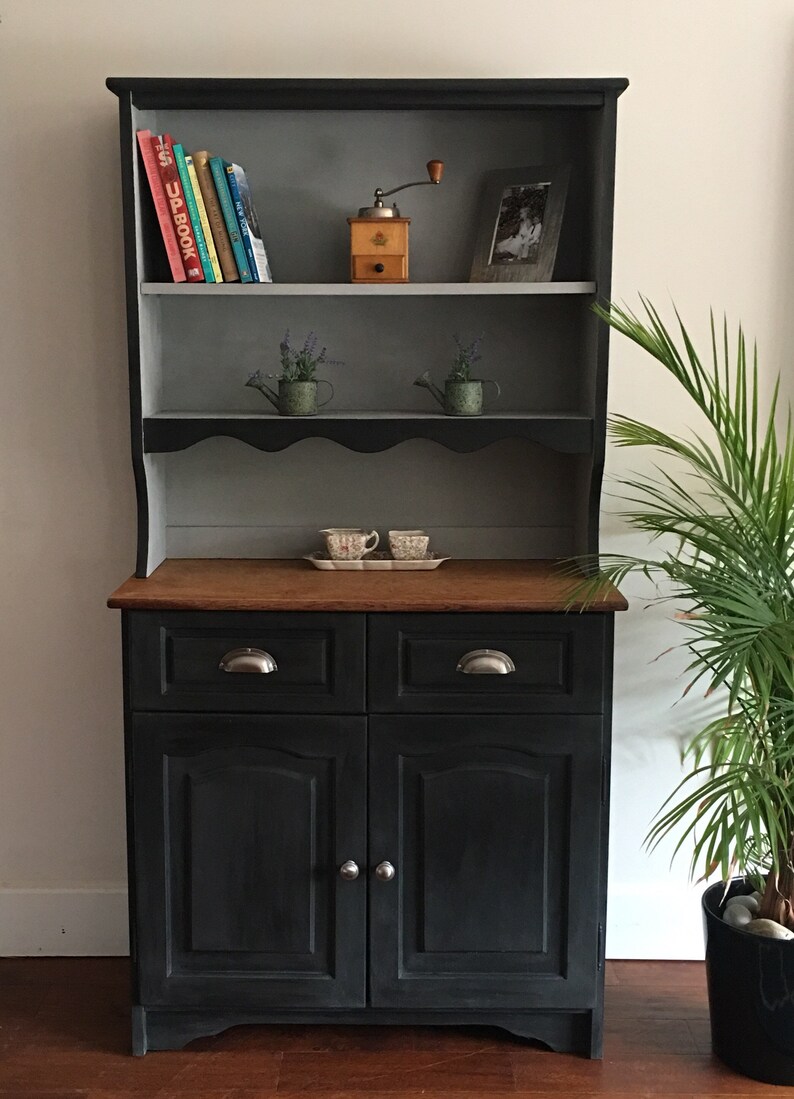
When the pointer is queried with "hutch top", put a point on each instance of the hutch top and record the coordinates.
(521, 481)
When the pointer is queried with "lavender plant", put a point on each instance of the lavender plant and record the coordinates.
(300, 364)
(466, 356)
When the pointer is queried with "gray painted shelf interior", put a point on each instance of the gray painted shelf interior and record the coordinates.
(309, 170)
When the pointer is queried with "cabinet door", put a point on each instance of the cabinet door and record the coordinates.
(240, 827)
(493, 825)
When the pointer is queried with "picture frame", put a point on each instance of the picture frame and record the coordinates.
(520, 219)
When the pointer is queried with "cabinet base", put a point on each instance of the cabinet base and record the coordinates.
(562, 1031)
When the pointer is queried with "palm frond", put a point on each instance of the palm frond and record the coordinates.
(721, 500)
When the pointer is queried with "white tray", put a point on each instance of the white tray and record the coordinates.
(375, 563)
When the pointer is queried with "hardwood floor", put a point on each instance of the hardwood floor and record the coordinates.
(64, 1034)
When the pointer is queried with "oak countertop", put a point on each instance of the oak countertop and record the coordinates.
(289, 585)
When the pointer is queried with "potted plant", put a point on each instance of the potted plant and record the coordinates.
(462, 394)
(722, 502)
(297, 385)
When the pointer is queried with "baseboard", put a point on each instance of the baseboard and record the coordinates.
(654, 921)
(68, 922)
(651, 921)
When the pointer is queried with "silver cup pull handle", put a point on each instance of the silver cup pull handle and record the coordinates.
(248, 661)
(485, 662)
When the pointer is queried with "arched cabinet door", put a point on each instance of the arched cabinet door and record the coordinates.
(240, 826)
(493, 827)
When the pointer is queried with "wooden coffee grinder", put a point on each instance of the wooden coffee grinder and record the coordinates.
(379, 236)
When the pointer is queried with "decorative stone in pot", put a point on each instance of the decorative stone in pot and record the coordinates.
(751, 993)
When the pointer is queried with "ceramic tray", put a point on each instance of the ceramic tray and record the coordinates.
(375, 562)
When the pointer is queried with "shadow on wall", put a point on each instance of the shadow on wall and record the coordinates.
(652, 703)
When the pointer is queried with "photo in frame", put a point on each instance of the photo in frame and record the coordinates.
(519, 224)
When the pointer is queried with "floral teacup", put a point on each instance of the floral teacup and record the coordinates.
(408, 545)
(349, 544)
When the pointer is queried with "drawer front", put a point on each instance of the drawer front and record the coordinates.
(559, 662)
(366, 267)
(378, 236)
(175, 658)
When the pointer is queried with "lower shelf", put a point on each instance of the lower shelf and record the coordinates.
(567, 432)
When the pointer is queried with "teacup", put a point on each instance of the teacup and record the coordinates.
(408, 545)
(349, 544)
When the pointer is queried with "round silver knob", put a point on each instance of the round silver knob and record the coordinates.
(349, 870)
(384, 871)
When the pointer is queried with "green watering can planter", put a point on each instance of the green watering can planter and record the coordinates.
(293, 398)
(459, 398)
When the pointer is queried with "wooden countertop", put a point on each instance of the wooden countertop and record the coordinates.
(267, 585)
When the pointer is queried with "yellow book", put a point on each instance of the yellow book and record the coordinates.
(205, 221)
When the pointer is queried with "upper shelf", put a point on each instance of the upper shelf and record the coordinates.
(386, 289)
(370, 431)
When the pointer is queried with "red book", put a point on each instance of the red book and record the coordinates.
(180, 215)
(161, 205)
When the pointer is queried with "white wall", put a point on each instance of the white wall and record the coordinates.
(704, 214)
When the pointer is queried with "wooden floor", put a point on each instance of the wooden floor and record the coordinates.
(64, 1032)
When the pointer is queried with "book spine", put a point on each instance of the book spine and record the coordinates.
(164, 150)
(205, 221)
(242, 221)
(255, 233)
(229, 217)
(161, 205)
(201, 161)
(192, 209)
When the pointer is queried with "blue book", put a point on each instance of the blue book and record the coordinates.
(260, 255)
(217, 167)
(192, 209)
(242, 220)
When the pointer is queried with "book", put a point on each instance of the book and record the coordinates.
(223, 246)
(230, 218)
(260, 260)
(161, 205)
(175, 197)
(205, 222)
(192, 209)
(242, 221)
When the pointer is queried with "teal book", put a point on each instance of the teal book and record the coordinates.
(242, 221)
(218, 169)
(192, 209)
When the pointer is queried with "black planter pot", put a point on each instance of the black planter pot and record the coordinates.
(751, 994)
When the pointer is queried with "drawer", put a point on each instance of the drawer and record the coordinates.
(560, 663)
(366, 267)
(380, 236)
(175, 657)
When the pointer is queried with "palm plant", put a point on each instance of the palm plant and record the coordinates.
(722, 501)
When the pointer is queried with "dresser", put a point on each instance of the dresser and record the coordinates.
(368, 797)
